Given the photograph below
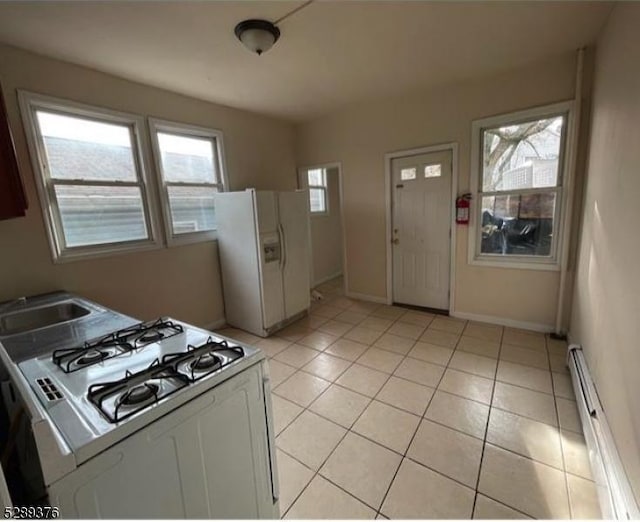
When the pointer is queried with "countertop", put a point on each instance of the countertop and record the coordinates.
(99, 322)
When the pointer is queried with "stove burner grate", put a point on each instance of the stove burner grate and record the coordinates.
(139, 394)
(206, 361)
(115, 344)
(91, 357)
(199, 361)
(118, 400)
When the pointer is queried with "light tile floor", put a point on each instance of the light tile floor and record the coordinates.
(382, 412)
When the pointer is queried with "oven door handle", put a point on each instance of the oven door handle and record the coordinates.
(271, 441)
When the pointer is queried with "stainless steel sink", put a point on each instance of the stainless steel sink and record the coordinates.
(20, 321)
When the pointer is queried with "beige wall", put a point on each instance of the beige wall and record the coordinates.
(359, 136)
(606, 304)
(182, 281)
(326, 234)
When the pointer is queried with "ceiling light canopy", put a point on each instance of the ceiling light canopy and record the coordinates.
(257, 35)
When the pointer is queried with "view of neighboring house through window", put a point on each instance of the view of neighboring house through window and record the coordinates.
(190, 167)
(92, 179)
(519, 190)
(318, 191)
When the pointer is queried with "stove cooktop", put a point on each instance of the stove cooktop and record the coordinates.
(115, 344)
(134, 392)
(114, 385)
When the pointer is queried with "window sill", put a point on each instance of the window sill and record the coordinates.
(192, 238)
(517, 264)
(88, 253)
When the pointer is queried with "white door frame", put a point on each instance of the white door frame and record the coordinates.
(331, 165)
(453, 148)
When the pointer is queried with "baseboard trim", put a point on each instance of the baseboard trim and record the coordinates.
(503, 321)
(328, 278)
(215, 324)
(366, 297)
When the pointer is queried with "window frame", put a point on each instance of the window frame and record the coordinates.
(551, 262)
(30, 103)
(157, 125)
(325, 191)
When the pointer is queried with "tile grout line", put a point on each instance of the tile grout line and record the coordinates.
(555, 406)
(486, 428)
(347, 431)
(422, 418)
(317, 472)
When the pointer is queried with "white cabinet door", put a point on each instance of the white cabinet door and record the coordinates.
(207, 459)
(294, 220)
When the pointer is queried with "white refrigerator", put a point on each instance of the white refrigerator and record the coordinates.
(263, 241)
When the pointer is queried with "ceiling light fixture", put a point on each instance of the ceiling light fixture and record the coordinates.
(259, 35)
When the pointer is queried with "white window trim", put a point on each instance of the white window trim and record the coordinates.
(325, 189)
(29, 104)
(157, 125)
(551, 263)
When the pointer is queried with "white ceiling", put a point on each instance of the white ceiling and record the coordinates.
(330, 54)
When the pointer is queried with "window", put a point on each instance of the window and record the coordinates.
(408, 174)
(318, 191)
(433, 171)
(189, 161)
(90, 176)
(519, 163)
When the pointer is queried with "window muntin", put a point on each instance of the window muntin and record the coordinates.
(317, 190)
(90, 177)
(191, 172)
(519, 192)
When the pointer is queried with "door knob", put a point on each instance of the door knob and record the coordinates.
(395, 241)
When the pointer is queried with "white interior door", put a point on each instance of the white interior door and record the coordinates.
(421, 229)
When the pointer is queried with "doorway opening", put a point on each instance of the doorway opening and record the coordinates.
(327, 268)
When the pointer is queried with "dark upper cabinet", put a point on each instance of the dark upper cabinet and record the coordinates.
(13, 202)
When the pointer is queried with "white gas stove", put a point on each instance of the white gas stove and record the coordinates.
(101, 401)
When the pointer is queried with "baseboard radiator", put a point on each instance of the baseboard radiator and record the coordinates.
(616, 497)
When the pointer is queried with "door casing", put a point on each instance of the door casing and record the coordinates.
(453, 148)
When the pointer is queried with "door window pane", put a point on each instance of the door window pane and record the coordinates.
(433, 171)
(522, 156)
(83, 149)
(96, 215)
(518, 224)
(408, 174)
(187, 159)
(192, 209)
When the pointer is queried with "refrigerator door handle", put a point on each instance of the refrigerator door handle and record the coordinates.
(283, 246)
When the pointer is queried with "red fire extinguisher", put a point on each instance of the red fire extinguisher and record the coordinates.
(463, 204)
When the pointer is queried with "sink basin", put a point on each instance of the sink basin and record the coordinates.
(35, 318)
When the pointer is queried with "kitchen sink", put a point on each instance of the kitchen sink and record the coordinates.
(30, 319)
